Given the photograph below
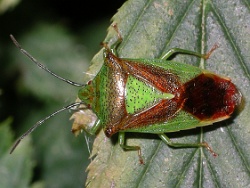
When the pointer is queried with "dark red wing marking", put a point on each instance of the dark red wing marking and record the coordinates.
(210, 97)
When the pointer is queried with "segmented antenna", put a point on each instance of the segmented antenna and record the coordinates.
(41, 122)
(53, 74)
(42, 66)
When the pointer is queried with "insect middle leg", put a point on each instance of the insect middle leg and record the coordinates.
(126, 147)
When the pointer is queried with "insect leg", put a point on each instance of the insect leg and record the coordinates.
(95, 128)
(184, 51)
(167, 141)
(126, 147)
(114, 46)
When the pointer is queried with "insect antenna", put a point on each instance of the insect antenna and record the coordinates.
(41, 65)
(41, 122)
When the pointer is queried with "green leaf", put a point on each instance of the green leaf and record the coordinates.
(149, 29)
(15, 170)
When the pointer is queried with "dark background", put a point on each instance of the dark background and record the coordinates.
(75, 15)
(87, 22)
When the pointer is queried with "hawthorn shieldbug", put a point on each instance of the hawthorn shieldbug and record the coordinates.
(151, 96)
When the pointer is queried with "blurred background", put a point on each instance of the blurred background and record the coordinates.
(63, 35)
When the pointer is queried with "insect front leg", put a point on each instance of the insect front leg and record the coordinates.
(184, 51)
(126, 147)
(167, 141)
(114, 46)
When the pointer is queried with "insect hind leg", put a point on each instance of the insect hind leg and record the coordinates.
(169, 142)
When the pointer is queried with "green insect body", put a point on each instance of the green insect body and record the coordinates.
(152, 96)
(157, 96)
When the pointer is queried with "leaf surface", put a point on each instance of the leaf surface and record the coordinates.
(149, 29)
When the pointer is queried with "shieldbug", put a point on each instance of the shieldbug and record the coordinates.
(151, 96)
